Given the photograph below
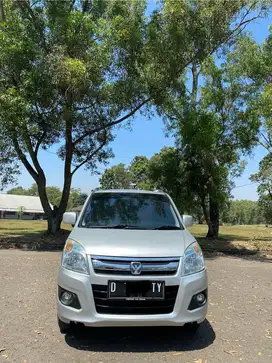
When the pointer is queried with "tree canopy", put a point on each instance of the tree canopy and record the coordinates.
(72, 70)
(116, 177)
(212, 129)
(243, 212)
(250, 64)
(165, 171)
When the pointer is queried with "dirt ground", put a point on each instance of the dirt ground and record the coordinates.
(238, 326)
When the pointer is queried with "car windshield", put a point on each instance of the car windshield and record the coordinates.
(130, 211)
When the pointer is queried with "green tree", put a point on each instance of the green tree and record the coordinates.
(212, 130)
(139, 170)
(54, 195)
(73, 74)
(72, 70)
(116, 177)
(266, 207)
(20, 212)
(243, 212)
(136, 175)
(264, 179)
(166, 173)
(18, 191)
(251, 63)
(9, 168)
(77, 198)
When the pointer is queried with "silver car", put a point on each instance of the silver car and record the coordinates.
(130, 261)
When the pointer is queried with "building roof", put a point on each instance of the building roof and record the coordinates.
(11, 203)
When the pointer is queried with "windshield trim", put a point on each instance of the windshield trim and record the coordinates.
(173, 207)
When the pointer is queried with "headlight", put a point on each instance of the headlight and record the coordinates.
(193, 260)
(74, 257)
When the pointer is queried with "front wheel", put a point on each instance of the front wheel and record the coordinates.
(192, 327)
(64, 327)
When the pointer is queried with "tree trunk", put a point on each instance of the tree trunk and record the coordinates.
(200, 218)
(53, 223)
(2, 11)
(205, 211)
(213, 222)
(55, 215)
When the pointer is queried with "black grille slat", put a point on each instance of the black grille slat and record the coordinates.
(134, 304)
(100, 288)
(121, 307)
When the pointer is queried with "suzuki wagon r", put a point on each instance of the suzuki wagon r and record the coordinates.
(130, 261)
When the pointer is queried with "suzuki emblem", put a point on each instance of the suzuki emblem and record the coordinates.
(135, 268)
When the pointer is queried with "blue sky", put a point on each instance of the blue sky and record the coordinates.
(146, 138)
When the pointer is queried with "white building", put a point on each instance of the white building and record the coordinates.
(20, 207)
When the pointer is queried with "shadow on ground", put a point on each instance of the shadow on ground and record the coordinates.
(35, 241)
(147, 339)
(260, 250)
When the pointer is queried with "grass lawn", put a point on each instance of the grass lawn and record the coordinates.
(243, 237)
(21, 234)
(10, 227)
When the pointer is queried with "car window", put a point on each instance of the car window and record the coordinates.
(129, 210)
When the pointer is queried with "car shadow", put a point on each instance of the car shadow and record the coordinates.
(141, 339)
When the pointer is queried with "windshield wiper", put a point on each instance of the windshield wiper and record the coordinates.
(167, 227)
(122, 226)
(115, 226)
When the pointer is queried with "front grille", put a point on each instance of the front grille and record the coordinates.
(158, 266)
(124, 307)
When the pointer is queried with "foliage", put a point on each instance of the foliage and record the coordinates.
(76, 198)
(251, 64)
(135, 175)
(72, 70)
(9, 168)
(212, 128)
(116, 177)
(20, 212)
(264, 177)
(166, 173)
(243, 212)
(18, 191)
(265, 204)
(139, 170)
(264, 180)
(69, 72)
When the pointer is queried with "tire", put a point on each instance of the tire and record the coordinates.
(64, 327)
(192, 328)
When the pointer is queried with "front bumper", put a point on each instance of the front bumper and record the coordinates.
(82, 286)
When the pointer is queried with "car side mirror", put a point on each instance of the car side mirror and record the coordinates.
(187, 220)
(69, 218)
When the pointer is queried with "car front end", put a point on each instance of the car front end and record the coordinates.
(184, 300)
(161, 282)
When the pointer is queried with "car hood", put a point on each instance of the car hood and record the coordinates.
(133, 243)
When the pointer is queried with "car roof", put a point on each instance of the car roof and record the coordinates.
(136, 191)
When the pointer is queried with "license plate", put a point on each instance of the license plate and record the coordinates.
(136, 290)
